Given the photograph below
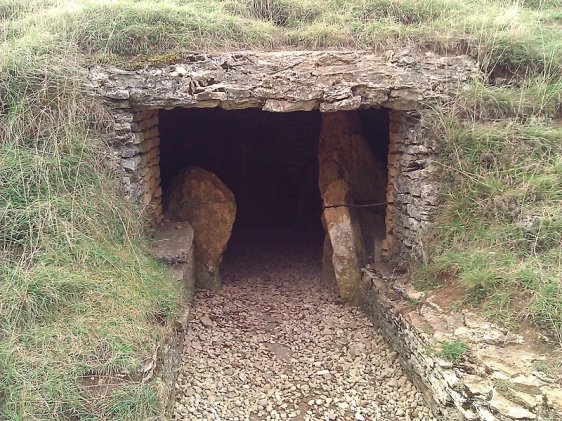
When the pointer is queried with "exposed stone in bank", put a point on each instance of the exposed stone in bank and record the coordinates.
(495, 380)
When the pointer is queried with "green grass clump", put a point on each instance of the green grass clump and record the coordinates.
(451, 350)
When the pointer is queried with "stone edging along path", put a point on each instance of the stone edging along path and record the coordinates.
(174, 246)
(496, 379)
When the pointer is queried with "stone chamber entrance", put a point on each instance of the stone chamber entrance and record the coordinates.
(307, 186)
(321, 165)
(270, 162)
(363, 113)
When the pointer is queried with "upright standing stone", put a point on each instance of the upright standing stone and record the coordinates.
(348, 172)
(328, 276)
(348, 254)
(200, 197)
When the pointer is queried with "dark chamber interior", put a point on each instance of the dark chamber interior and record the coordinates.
(268, 160)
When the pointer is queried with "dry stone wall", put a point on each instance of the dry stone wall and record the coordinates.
(136, 144)
(412, 188)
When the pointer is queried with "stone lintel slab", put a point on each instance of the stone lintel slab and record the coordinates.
(287, 81)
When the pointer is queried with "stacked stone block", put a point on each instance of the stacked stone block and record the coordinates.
(137, 143)
(330, 81)
(412, 183)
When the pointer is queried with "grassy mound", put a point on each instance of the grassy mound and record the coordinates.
(499, 228)
(79, 293)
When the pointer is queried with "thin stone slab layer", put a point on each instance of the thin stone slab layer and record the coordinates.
(286, 81)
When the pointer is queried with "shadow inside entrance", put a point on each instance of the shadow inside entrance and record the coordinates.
(273, 253)
(270, 162)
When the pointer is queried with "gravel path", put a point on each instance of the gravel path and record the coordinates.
(278, 344)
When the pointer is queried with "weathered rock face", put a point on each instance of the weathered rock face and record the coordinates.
(174, 246)
(287, 81)
(199, 197)
(327, 276)
(344, 153)
(348, 172)
(468, 389)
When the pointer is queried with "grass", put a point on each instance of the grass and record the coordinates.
(499, 227)
(451, 351)
(507, 35)
(79, 291)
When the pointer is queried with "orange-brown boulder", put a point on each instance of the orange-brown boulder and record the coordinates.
(201, 198)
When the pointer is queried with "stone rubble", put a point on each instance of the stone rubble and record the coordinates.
(281, 345)
(496, 380)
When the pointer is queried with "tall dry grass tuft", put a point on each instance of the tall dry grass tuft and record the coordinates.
(79, 292)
